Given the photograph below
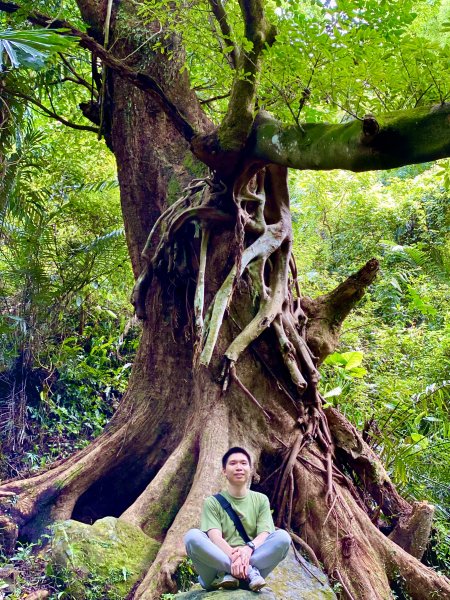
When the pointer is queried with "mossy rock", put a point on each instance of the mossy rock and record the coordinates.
(291, 580)
(103, 560)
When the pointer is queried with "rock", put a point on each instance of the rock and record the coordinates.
(292, 581)
(110, 555)
(289, 581)
(38, 595)
(8, 578)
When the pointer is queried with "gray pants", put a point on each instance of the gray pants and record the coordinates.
(209, 559)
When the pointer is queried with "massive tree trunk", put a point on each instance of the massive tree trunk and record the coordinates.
(229, 353)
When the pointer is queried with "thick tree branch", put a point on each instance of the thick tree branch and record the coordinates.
(93, 12)
(385, 142)
(221, 17)
(139, 79)
(237, 122)
(326, 313)
(51, 113)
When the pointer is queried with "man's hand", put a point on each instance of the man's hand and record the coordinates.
(238, 569)
(240, 561)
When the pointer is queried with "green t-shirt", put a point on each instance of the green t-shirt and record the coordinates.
(253, 510)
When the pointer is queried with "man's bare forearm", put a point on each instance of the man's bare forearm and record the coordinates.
(215, 535)
(260, 539)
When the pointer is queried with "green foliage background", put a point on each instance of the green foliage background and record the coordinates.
(390, 376)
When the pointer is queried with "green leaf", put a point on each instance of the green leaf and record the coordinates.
(357, 372)
(352, 359)
(337, 391)
(335, 359)
(30, 48)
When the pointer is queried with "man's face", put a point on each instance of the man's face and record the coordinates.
(237, 470)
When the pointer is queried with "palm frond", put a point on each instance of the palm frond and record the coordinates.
(104, 242)
(30, 48)
(98, 186)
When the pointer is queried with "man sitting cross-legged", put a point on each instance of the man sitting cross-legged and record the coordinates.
(219, 552)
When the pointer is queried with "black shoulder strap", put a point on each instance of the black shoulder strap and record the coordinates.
(233, 516)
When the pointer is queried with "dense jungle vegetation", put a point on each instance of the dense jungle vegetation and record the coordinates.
(68, 334)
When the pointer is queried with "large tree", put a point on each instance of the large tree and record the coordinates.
(230, 347)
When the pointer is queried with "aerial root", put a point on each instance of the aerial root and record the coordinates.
(281, 494)
(199, 298)
(329, 495)
(241, 386)
(269, 308)
(289, 355)
(262, 247)
(338, 576)
(306, 548)
(307, 359)
(194, 204)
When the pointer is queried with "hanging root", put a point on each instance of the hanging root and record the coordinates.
(262, 248)
(199, 299)
(289, 355)
(197, 203)
(247, 392)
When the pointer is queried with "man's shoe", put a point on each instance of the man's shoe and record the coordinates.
(224, 581)
(255, 580)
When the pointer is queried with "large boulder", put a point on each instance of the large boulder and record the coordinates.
(292, 580)
(109, 556)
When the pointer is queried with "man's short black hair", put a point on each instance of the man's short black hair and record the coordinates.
(235, 450)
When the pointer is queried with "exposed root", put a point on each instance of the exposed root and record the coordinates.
(306, 548)
(213, 444)
(165, 492)
(55, 491)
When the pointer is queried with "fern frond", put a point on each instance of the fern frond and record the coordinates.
(432, 260)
